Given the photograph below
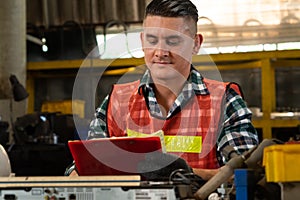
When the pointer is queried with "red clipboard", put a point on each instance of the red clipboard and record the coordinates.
(112, 156)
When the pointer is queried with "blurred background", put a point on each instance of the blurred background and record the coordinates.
(68, 53)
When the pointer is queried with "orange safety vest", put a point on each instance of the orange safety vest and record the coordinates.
(191, 133)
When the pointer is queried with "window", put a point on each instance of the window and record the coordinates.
(227, 26)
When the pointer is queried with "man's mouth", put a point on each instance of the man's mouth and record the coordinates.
(162, 62)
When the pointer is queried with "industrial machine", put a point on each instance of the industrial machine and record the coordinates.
(250, 183)
(92, 188)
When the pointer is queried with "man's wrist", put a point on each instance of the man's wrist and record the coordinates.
(70, 169)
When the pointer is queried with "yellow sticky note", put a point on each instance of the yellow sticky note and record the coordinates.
(160, 134)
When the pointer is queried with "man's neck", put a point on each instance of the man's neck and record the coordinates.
(166, 93)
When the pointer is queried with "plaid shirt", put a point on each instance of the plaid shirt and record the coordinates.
(237, 128)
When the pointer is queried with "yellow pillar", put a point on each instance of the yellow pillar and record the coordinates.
(268, 95)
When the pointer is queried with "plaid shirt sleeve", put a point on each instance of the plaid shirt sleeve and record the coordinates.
(98, 127)
(238, 130)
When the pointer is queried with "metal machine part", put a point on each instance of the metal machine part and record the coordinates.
(88, 193)
(221, 177)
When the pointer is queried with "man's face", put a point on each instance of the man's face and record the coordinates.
(168, 44)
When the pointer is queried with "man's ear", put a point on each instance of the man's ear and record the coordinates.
(197, 43)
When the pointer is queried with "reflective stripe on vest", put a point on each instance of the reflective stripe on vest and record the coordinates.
(187, 144)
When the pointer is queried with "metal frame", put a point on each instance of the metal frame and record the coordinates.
(267, 61)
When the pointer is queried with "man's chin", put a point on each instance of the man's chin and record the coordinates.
(163, 74)
(160, 70)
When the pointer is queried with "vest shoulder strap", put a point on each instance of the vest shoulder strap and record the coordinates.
(236, 87)
(233, 85)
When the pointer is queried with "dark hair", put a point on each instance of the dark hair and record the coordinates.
(172, 8)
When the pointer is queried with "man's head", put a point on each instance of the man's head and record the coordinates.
(173, 8)
(170, 38)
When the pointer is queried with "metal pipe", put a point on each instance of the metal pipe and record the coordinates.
(221, 177)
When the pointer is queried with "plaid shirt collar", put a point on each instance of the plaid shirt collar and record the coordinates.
(193, 86)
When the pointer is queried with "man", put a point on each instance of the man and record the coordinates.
(197, 116)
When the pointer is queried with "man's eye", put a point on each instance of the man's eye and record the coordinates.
(152, 41)
(173, 41)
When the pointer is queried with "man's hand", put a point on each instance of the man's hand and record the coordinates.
(73, 173)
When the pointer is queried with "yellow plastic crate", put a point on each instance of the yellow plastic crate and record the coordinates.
(65, 107)
(282, 163)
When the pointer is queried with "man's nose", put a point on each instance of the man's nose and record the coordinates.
(161, 51)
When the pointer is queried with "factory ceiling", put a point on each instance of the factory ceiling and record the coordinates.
(48, 14)
(62, 23)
